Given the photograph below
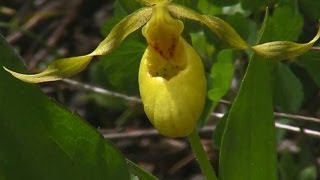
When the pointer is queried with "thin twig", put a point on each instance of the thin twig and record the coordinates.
(315, 48)
(57, 33)
(285, 126)
(7, 11)
(284, 115)
(298, 130)
(44, 13)
(149, 133)
(100, 90)
(152, 132)
(296, 117)
(144, 133)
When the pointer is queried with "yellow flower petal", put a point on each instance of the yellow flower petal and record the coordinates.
(171, 77)
(66, 67)
(222, 29)
(279, 50)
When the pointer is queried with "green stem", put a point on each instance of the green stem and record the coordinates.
(201, 156)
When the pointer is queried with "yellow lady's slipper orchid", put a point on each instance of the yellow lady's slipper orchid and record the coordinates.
(171, 77)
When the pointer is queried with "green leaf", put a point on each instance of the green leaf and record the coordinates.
(248, 149)
(129, 6)
(222, 74)
(206, 7)
(279, 28)
(218, 132)
(242, 25)
(310, 9)
(137, 173)
(219, 83)
(209, 105)
(225, 2)
(287, 89)
(309, 173)
(253, 5)
(41, 140)
(288, 168)
(248, 145)
(311, 63)
(120, 68)
(188, 3)
(203, 47)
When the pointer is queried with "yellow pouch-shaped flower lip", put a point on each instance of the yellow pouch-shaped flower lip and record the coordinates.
(171, 77)
(173, 106)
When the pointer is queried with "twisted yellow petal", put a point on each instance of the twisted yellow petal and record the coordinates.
(66, 67)
(279, 50)
(171, 77)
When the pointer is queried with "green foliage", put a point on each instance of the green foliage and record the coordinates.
(225, 2)
(255, 5)
(120, 68)
(279, 28)
(218, 133)
(246, 28)
(138, 173)
(285, 86)
(310, 9)
(248, 142)
(129, 6)
(309, 173)
(221, 74)
(287, 167)
(41, 140)
(310, 62)
(206, 7)
(285, 83)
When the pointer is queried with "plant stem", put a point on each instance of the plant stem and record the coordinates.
(201, 156)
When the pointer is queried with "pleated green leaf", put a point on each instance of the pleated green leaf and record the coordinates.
(67, 67)
(41, 140)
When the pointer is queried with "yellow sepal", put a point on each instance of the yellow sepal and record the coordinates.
(67, 67)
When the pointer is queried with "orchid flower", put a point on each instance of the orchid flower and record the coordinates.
(172, 80)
